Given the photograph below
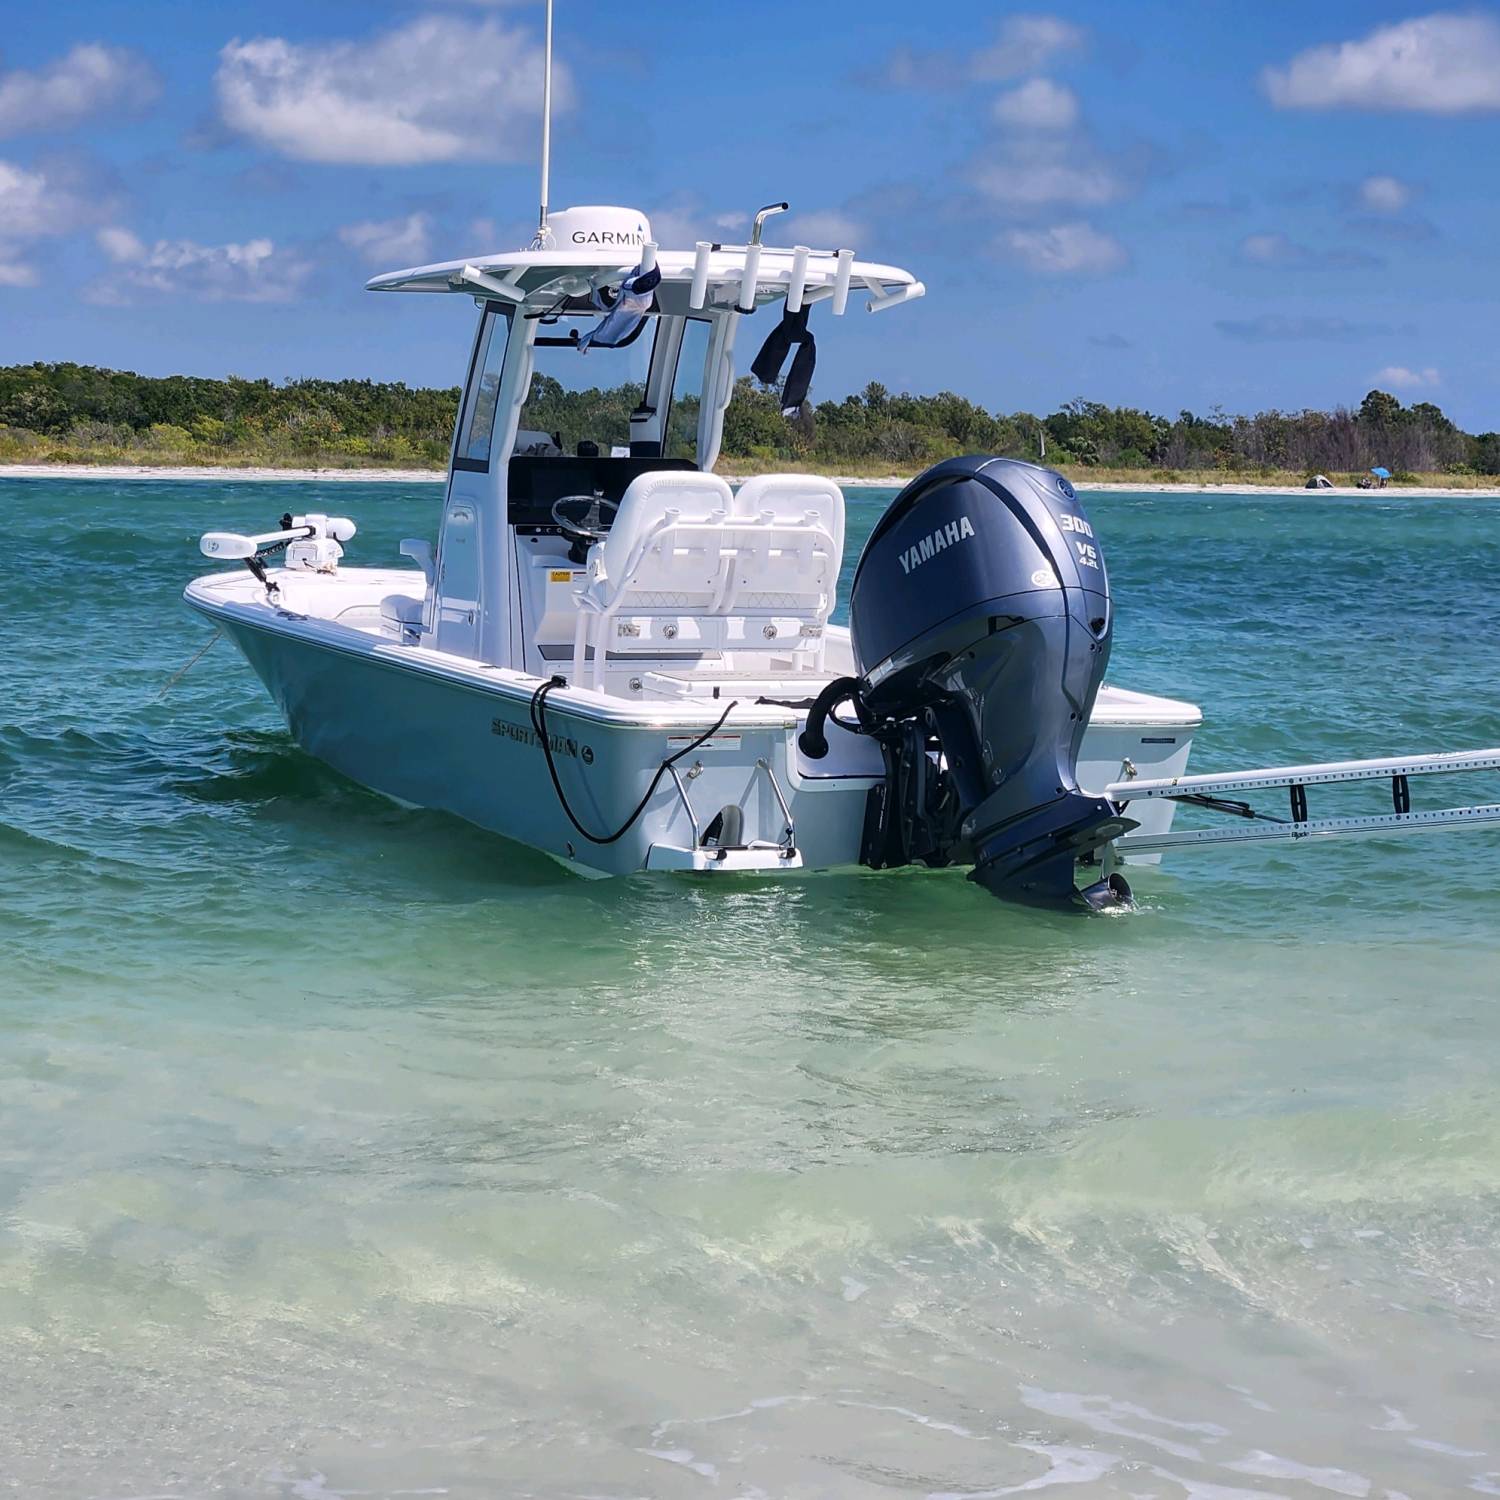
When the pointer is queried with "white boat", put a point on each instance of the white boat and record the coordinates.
(611, 656)
(699, 609)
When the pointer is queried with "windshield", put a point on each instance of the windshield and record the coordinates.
(687, 392)
(476, 428)
(586, 397)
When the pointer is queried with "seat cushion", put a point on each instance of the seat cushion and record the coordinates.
(402, 609)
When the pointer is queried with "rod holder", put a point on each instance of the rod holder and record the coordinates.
(841, 282)
(746, 301)
(894, 299)
(491, 284)
(648, 256)
(699, 291)
(798, 282)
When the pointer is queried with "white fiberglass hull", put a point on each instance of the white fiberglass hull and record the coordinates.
(445, 733)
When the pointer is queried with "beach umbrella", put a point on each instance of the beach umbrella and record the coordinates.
(1380, 472)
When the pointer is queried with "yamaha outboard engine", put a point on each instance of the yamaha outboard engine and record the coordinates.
(980, 618)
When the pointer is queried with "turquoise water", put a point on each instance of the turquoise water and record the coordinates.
(346, 1150)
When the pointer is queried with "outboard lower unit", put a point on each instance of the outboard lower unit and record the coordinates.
(980, 618)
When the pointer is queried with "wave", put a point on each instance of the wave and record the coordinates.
(21, 841)
(264, 766)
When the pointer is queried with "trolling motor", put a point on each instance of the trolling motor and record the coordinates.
(311, 544)
(980, 619)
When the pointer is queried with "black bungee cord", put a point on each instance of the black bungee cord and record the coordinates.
(539, 725)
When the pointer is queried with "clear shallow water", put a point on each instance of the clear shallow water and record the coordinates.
(347, 1150)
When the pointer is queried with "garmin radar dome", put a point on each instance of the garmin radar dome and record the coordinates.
(594, 228)
(980, 621)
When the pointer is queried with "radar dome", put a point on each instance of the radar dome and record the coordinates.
(596, 227)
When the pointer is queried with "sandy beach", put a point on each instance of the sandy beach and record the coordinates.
(435, 476)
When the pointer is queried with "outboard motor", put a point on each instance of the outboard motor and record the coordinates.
(980, 618)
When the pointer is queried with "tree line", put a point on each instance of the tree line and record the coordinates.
(78, 411)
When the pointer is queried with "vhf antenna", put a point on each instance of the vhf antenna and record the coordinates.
(543, 234)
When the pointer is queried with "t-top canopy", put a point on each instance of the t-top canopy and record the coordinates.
(598, 247)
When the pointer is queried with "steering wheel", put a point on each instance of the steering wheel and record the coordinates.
(584, 519)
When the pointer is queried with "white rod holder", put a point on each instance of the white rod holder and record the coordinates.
(699, 292)
(907, 293)
(841, 282)
(648, 256)
(748, 279)
(491, 284)
(798, 283)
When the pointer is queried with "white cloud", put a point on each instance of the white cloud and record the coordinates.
(1026, 43)
(682, 221)
(1446, 64)
(15, 272)
(1037, 104)
(1030, 172)
(91, 79)
(680, 224)
(1384, 194)
(439, 88)
(483, 231)
(1023, 44)
(1402, 379)
(255, 271)
(822, 229)
(1268, 249)
(121, 246)
(390, 242)
(1282, 250)
(1064, 250)
(33, 205)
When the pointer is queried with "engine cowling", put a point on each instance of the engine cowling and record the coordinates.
(981, 622)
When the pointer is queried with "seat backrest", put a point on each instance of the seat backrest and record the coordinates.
(793, 499)
(650, 504)
(686, 563)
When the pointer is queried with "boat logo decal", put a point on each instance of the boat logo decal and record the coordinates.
(608, 237)
(524, 734)
(930, 545)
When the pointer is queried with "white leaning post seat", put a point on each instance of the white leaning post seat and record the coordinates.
(690, 568)
(401, 615)
(683, 581)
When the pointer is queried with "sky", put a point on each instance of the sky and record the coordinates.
(1157, 204)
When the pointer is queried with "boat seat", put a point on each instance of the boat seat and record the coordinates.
(783, 496)
(401, 615)
(688, 566)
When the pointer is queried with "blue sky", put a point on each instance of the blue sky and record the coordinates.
(1159, 204)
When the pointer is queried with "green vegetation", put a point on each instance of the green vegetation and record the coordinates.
(78, 414)
(75, 413)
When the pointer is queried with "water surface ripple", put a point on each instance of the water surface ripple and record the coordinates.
(347, 1150)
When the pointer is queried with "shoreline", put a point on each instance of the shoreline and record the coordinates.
(259, 475)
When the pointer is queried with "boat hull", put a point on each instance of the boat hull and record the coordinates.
(395, 722)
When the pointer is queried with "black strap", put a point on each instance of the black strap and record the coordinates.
(792, 329)
(539, 724)
(799, 379)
